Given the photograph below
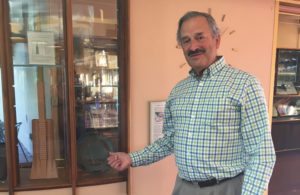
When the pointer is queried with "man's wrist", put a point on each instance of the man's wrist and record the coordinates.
(133, 157)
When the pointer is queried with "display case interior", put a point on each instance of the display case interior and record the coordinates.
(64, 92)
(97, 88)
(286, 104)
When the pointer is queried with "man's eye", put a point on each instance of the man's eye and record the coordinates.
(185, 41)
(199, 37)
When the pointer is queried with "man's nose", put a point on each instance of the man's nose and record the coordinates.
(194, 45)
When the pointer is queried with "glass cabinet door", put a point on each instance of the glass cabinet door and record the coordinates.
(286, 105)
(95, 28)
(37, 39)
(43, 84)
(288, 68)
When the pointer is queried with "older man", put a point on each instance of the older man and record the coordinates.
(216, 122)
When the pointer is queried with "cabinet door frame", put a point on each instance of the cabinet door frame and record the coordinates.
(8, 99)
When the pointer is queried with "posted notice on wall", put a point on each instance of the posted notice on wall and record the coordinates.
(156, 119)
(41, 49)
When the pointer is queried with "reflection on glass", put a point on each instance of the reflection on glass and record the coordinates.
(40, 92)
(3, 169)
(288, 62)
(96, 85)
(288, 68)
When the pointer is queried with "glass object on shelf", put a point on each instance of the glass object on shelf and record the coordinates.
(96, 86)
(101, 58)
(37, 36)
(101, 116)
(288, 106)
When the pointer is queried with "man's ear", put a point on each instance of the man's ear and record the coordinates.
(218, 40)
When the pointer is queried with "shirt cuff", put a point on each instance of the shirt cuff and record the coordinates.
(136, 159)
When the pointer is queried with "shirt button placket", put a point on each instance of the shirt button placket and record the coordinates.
(195, 107)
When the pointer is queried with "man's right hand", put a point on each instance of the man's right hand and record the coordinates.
(119, 160)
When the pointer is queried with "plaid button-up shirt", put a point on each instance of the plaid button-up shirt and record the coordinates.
(217, 126)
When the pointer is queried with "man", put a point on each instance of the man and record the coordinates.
(216, 122)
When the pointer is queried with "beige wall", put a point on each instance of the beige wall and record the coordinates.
(155, 65)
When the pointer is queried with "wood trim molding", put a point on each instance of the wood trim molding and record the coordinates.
(274, 47)
(295, 2)
(68, 33)
(8, 98)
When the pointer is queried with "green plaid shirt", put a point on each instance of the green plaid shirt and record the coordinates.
(217, 126)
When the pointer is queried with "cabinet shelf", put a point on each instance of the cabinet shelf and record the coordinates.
(18, 39)
(97, 102)
(97, 40)
(287, 73)
(288, 150)
(285, 119)
(109, 86)
(106, 85)
(86, 68)
(287, 96)
(38, 65)
(107, 127)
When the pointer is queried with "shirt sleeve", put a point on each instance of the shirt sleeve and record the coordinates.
(257, 140)
(158, 149)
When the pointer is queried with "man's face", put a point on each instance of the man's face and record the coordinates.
(198, 44)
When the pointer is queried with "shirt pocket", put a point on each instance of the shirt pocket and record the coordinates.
(227, 112)
(181, 108)
(223, 130)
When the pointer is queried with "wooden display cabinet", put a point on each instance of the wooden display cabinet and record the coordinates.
(286, 121)
(64, 91)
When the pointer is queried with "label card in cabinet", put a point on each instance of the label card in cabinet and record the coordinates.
(41, 48)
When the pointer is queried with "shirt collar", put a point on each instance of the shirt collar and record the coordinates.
(213, 69)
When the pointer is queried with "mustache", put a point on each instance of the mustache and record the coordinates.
(197, 51)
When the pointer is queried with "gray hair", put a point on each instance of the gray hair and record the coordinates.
(191, 14)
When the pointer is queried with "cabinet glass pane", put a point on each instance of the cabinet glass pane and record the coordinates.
(288, 66)
(287, 85)
(40, 91)
(3, 170)
(96, 87)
